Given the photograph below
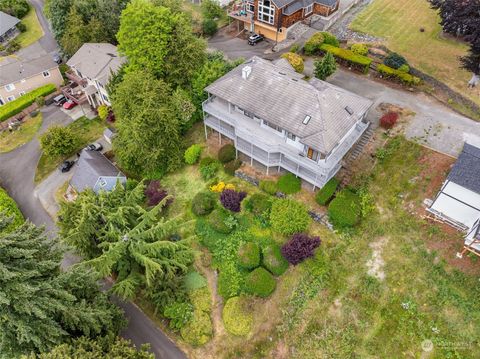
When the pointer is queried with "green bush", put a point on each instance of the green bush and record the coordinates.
(209, 168)
(203, 203)
(59, 141)
(395, 60)
(312, 46)
(192, 154)
(330, 39)
(21, 27)
(269, 187)
(198, 330)
(345, 210)
(249, 255)
(236, 318)
(103, 111)
(289, 184)
(260, 282)
(12, 47)
(227, 153)
(17, 8)
(326, 192)
(179, 314)
(9, 208)
(16, 106)
(295, 60)
(220, 221)
(209, 27)
(349, 56)
(232, 166)
(404, 68)
(295, 48)
(359, 49)
(193, 281)
(401, 76)
(259, 204)
(289, 217)
(273, 260)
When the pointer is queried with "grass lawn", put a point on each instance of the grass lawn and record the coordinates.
(34, 29)
(87, 131)
(399, 22)
(11, 140)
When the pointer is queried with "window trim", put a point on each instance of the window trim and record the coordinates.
(11, 98)
(2, 102)
(46, 73)
(9, 87)
(266, 11)
(306, 9)
(21, 93)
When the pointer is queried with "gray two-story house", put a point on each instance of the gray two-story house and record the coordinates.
(277, 118)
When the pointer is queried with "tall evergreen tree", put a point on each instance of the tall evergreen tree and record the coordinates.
(40, 306)
(325, 67)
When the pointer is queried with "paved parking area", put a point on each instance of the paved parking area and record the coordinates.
(235, 47)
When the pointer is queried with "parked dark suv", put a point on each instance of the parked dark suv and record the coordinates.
(254, 39)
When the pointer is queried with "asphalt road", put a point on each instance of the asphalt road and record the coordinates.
(47, 42)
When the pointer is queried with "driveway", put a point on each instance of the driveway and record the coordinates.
(234, 47)
(47, 41)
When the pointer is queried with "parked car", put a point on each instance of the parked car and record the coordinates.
(57, 58)
(66, 166)
(59, 100)
(254, 39)
(69, 105)
(94, 147)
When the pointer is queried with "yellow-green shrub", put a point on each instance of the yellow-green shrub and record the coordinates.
(403, 77)
(348, 56)
(236, 318)
(295, 60)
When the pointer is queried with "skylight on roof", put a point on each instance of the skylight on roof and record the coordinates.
(307, 119)
(349, 110)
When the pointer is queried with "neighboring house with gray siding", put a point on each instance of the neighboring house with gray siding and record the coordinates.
(93, 170)
(282, 121)
(8, 27)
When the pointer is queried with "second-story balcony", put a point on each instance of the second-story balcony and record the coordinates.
(72, 76)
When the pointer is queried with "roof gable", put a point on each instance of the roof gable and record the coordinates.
(7, 22)
(466, 170)
(13, 70)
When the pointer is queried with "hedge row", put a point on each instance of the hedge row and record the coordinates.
(348, 56)
(16, 106)
(9, 208)
(401, 76)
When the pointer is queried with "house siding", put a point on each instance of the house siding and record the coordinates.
(32, 83)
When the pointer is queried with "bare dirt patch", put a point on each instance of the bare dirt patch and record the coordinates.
(376, 263)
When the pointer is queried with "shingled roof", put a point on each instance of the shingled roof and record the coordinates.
(7, 22)
(13, 69)
(466, 170)
(298, 4)
(280, 96)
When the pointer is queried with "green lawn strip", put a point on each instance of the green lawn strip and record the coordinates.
(11, 140)
(399, 23)
(34, 29)
(87, 131)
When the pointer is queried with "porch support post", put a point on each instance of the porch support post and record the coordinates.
(219, 138)
(268, 161)
(315, 182)
(298, 168)
(206, 133)
(251, 154)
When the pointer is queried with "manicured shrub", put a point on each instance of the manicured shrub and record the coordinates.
(9, 208)
(289, 184)
(209, 27)
(288, 216)
(359, 49)
(16, 106)
(179, 314)
(295, 60)
(155, 194)
(395, 60)
(260, 282)
(344, 211)
(227, 153)
(58, 141)
(404, 68)
(221, 186)
(103, 111)
(273, 260)
(312, 46)
(326, 192)
(203, 203)
(192, 154)
(269, 187)
(221, 221)
(389, 120)
(259, 204)
(249, 255)
(348, 56)
(198, 330)
(21, 27)
(237, 319)
(330, 39)
(299, 248)
(209, 168)
(398, 75)
(232, 199)
(295, 48)
(232, 166)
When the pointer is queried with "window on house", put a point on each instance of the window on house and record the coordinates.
(291, 136)
(309, 9)
(312, 154)
(105, 97)
(2, 102)
(9, 87)
(21, 93)
(271, 125)
(250, 6)
(46, 74)
(10, 98)
(266, 11)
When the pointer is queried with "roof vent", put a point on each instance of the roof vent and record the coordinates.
(349, 110)
(246, 71)
(307, 119)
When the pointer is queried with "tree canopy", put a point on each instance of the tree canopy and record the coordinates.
(41, 306)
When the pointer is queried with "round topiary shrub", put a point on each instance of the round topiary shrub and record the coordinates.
(232, 199)
(299, 248)
(259, 204)
(295, 61)
(330, 39)
(227, 153)
(326, 192)
(395, 60)
(249, 255)
(312, 46)
(344, 211)
(237, 320)
(260, 282)
(203, 203)
(269, 187)
(219, 220)
(192, 154)
(389, 120)
(232, 166)
(273, 260)
(198, 330)
(289, 217)
(359, 49)
(289, 184)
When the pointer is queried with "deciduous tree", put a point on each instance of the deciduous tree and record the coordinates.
(58, 141)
